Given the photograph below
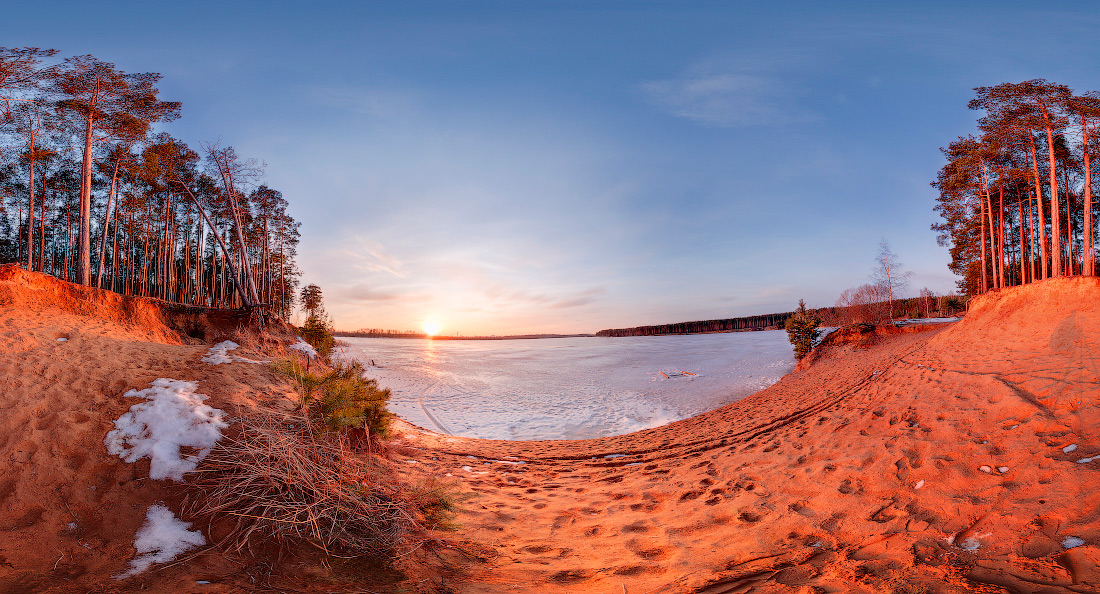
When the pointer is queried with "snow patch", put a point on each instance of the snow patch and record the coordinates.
(919, 484)
(1069, 448)
(173, 417)
(304, 347)
(1070, 542)
(219, 354)
(1087, 460)
(160, 539)
(970, 544)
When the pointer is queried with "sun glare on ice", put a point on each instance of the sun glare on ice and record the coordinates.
(431, 327)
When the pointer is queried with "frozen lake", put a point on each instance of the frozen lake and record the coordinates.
(568, 388)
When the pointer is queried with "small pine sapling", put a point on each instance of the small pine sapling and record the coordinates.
(802, 330)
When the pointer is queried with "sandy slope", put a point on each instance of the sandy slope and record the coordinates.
(810, 485)
(807, 486)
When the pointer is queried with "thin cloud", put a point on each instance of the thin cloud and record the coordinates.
(370, 256)
(379, 103)
(365, 293)
(579, 300)
(727, 100)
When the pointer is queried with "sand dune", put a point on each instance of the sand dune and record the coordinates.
(953, 459)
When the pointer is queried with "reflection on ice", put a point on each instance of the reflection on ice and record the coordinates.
(569, 388)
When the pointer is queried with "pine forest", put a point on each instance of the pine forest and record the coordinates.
(1016, 200)
(91, 192)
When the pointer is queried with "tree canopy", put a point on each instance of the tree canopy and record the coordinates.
(1016, 202)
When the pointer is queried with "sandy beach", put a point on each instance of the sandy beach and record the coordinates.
(929, 458)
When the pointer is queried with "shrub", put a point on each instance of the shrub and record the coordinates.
(802, 330)
(340, 399)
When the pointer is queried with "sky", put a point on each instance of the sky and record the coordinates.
(559, 167)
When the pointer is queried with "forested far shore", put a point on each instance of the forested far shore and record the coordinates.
(925, 306)
(1016, 200)
(91, 193)
(414, 334)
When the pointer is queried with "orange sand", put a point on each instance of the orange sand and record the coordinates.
(807, 486)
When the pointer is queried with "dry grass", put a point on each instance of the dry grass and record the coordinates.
(277, 479)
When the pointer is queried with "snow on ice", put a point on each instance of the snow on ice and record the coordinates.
(569, 388)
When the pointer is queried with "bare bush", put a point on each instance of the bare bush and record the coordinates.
(863, 304)
(279, 479)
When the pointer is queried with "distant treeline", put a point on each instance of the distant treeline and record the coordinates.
(377, 333)
(380, 333)
(761, 322)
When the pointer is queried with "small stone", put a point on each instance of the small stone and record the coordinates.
(985, 469)
(1002, 469)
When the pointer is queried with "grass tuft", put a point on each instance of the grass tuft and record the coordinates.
(279, 479)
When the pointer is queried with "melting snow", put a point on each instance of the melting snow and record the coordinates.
(1072, 541)
(304, 347)
(1087, 460)
(219, 354)
(160, 539)
(970, 544)
(1069, 448)
(173, 417)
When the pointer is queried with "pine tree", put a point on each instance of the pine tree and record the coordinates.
(802, 330)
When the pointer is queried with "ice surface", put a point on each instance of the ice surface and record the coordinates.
(304, 347)
(172, 417)
(569, 388)
(161, 538)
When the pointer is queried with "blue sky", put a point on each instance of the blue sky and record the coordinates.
(506, 167)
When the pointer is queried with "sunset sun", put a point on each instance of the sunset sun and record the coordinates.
(431, 327)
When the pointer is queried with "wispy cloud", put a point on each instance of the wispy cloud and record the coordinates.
(580, 299)
(370, 256)
(747, 88)
(368, 293)
(380, 103)
(549, 301)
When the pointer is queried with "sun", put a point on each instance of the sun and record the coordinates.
(431, 327)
